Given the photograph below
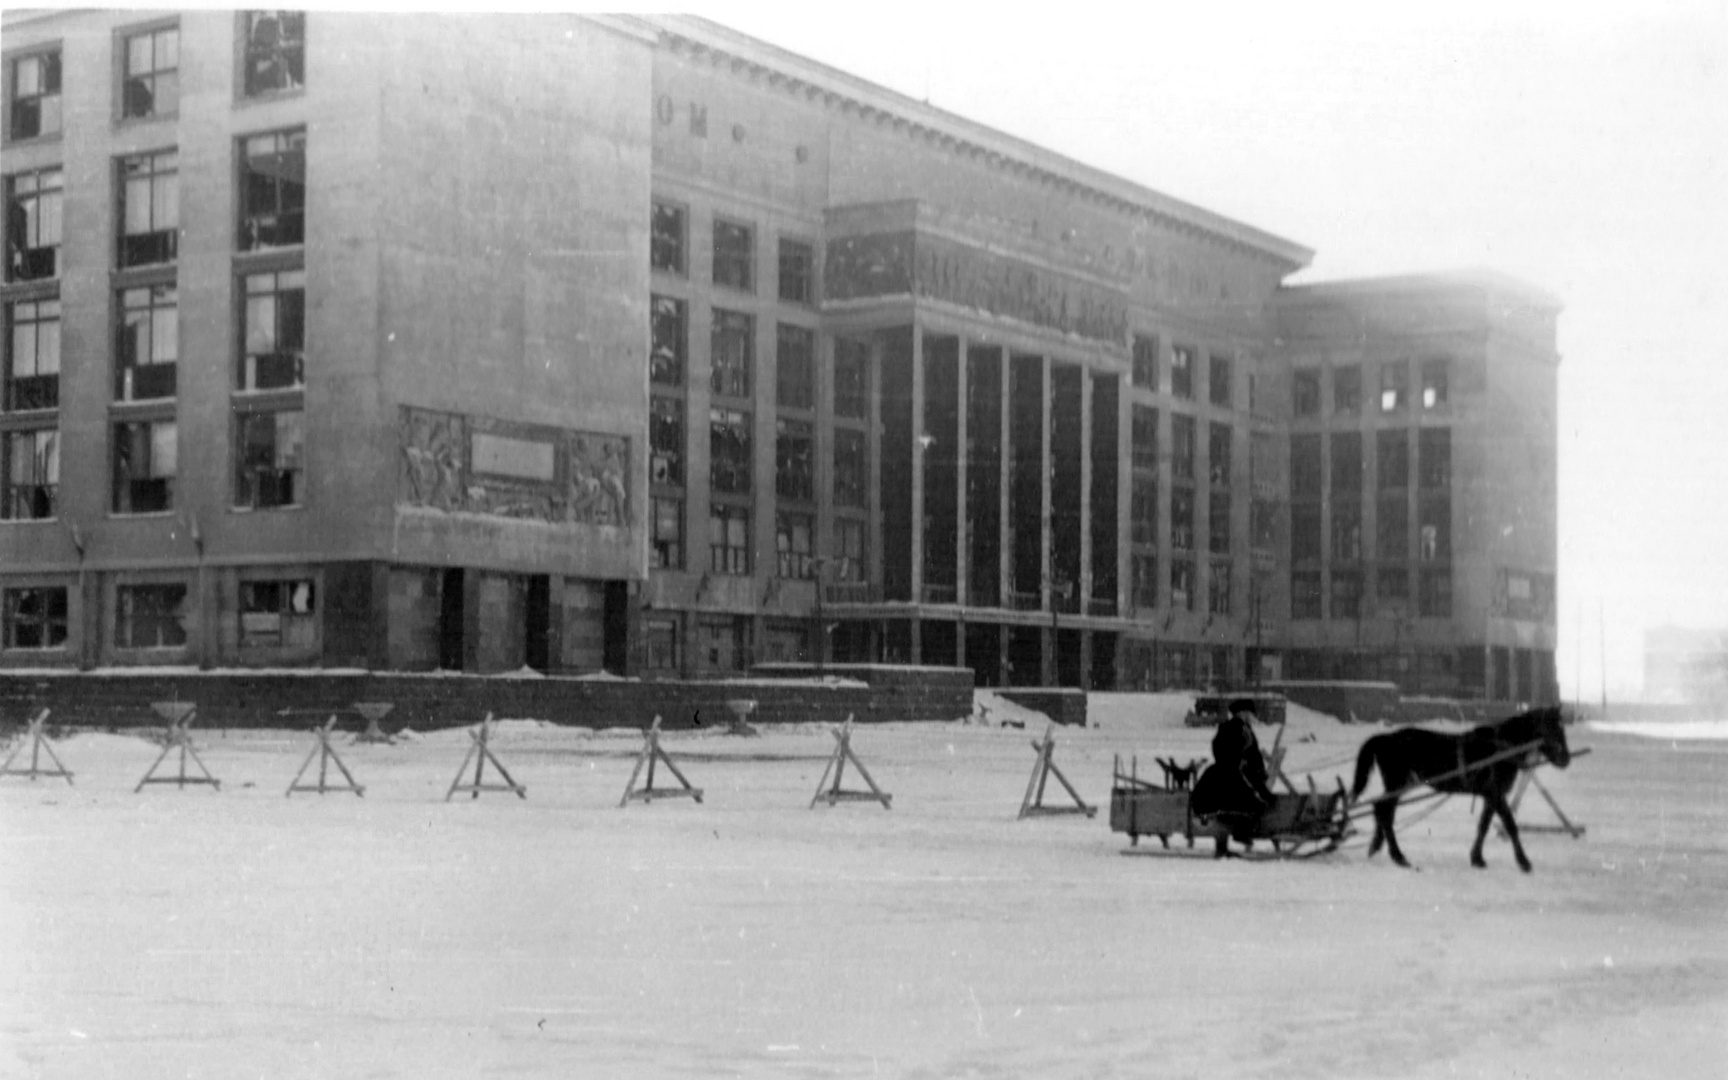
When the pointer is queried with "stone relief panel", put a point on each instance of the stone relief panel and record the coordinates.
(861, 266)
(532, 472)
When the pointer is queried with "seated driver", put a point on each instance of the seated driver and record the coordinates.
(1235, 789)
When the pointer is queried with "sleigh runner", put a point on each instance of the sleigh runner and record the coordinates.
(1297, 824)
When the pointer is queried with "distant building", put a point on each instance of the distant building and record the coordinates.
(574, 342)
(1685, 667)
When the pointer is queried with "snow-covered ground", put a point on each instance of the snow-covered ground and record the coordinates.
(238, 933)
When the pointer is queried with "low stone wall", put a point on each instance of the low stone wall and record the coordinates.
(283, 699)
(1064, 706)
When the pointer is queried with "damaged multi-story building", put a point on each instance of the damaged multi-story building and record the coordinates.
(635, 343)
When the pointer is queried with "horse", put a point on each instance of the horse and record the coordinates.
(1481, 762)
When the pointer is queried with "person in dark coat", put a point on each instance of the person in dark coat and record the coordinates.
(1234, 789)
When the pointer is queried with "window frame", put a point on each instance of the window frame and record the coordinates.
(14, 100)
(44, 460)
(162, 318)
(244, 88)
(794, 474)
(248, 236)
(46, 400)
(47, 621)
(681, 265)
(154, 475)
(124, 77)
(1224, 363)
(248, 477)
(726, 558)
(248, 363)
(1182, 363)
(789, 561)
(667, 417)
(734, 380)
(802, 383)
(162, 616)
(733, 267)
(254, 640)
(19, 255)
(731, 473)
(666, 552)
(809, 294)
(123, 180)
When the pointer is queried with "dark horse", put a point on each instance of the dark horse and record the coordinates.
(1482, 761)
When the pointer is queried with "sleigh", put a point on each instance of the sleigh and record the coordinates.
(1298, 824)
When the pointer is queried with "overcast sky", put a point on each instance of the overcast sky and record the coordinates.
(1584, 149)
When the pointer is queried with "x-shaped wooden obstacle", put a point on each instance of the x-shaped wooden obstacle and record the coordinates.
(652, 751)
(1033, 804)
(38, 742)
(833, 793)
(178, 716)
(325, 753)
(480, 753)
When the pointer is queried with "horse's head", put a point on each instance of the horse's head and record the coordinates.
(1550, 728)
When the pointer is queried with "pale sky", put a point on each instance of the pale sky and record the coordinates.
(1581, 148)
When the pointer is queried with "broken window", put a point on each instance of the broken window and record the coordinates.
(851, 468)
(269, 448)
(794, 459)
(30, 378)
(1346, 463)
(152, 75)
(1182, 370)
(29, 474)
(150, 616)
(848, 549)
(729, 539)
(148, 348)
(1144, 437)
(146, 457)
(1434, 458)
(732, 353)
(1143, 511)
(1304, 532)
(794, 545)
(1434, 593)
(1144, 581)
(730, 447)
(33, 225)
(1435, 374)
(274, 614)
(1393, 374)
(1182, 519)
(1393, 527)
(666, 243)
(1347, 390)
(1346, 594)
(666, 441)
(1392, 583)
(33, 618)
(1182, 584)
(1392, 449)
(797, 272)
(666, 544)
(273, 190)
(1434, 529)
(851, 378)
(1305, 468)
(1218, 589)
(734, 255)
(1145, 371)
(34, 87)
(1305, 594)
(275, 331)
(275, 51)
(1182, 440)
(149, 209)
(1218, 454)
(660, 644)
(666, 341)
(1221, 370)
(1305, 392)
(1218, 523)
(795, 367)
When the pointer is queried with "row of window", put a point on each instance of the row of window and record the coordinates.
(1143, 445)
(272, 202)
(1392, 456)
(729, 544)
(1434, 390)
(273, 60)
(1145, 355)
(732, 359)
(1392, 528)
(274, 613)
(734, 260)
(1143, 517)
(1391, 584)
(1183, 592)
(731, 454)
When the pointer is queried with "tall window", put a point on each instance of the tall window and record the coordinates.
(1347, 390)
(734, 255)
(148, 346)
(1346, 594)
(150, 616)
(1144, 581)
(1143, 511)
(729, 539)
(666, 441)
(1144, 437)
(1392, 448)
(795, 367)
(851, 468)
(1393, 388)
(146, 456)
(30, 378)
(1346, 463)
(666, 341)
(666, 546)
(851, 378)
(275, 331)
(848, 549)
(1218, 590)
(33, 225)
(152, 78)
(794, 550)
(35, 94)
(1435, 377)
(1305, 469)
(1145, 371)
(1346, 529)
(1304, 531)
(1218, 523)
(1219, 379)
(1182, 584)
(1182, 370)
(1434, 593)
(1182, 519)
(1392, 528)
(1182, 447)
(268, 458)
(1305, 598)
(1434, 458)
(275, 51)
(1392, 584)
(794, 460)
(29, 474)
(1218, 442)
(1434, 528)
(33, 618)
(273, 190)
(149, 209)
(666, 241)
(732, 353)
(1305, 392)
(797, 272)
(729, 451)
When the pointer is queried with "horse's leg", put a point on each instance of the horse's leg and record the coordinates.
(1476, 858)
(1497, 801)
(1384, 810)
